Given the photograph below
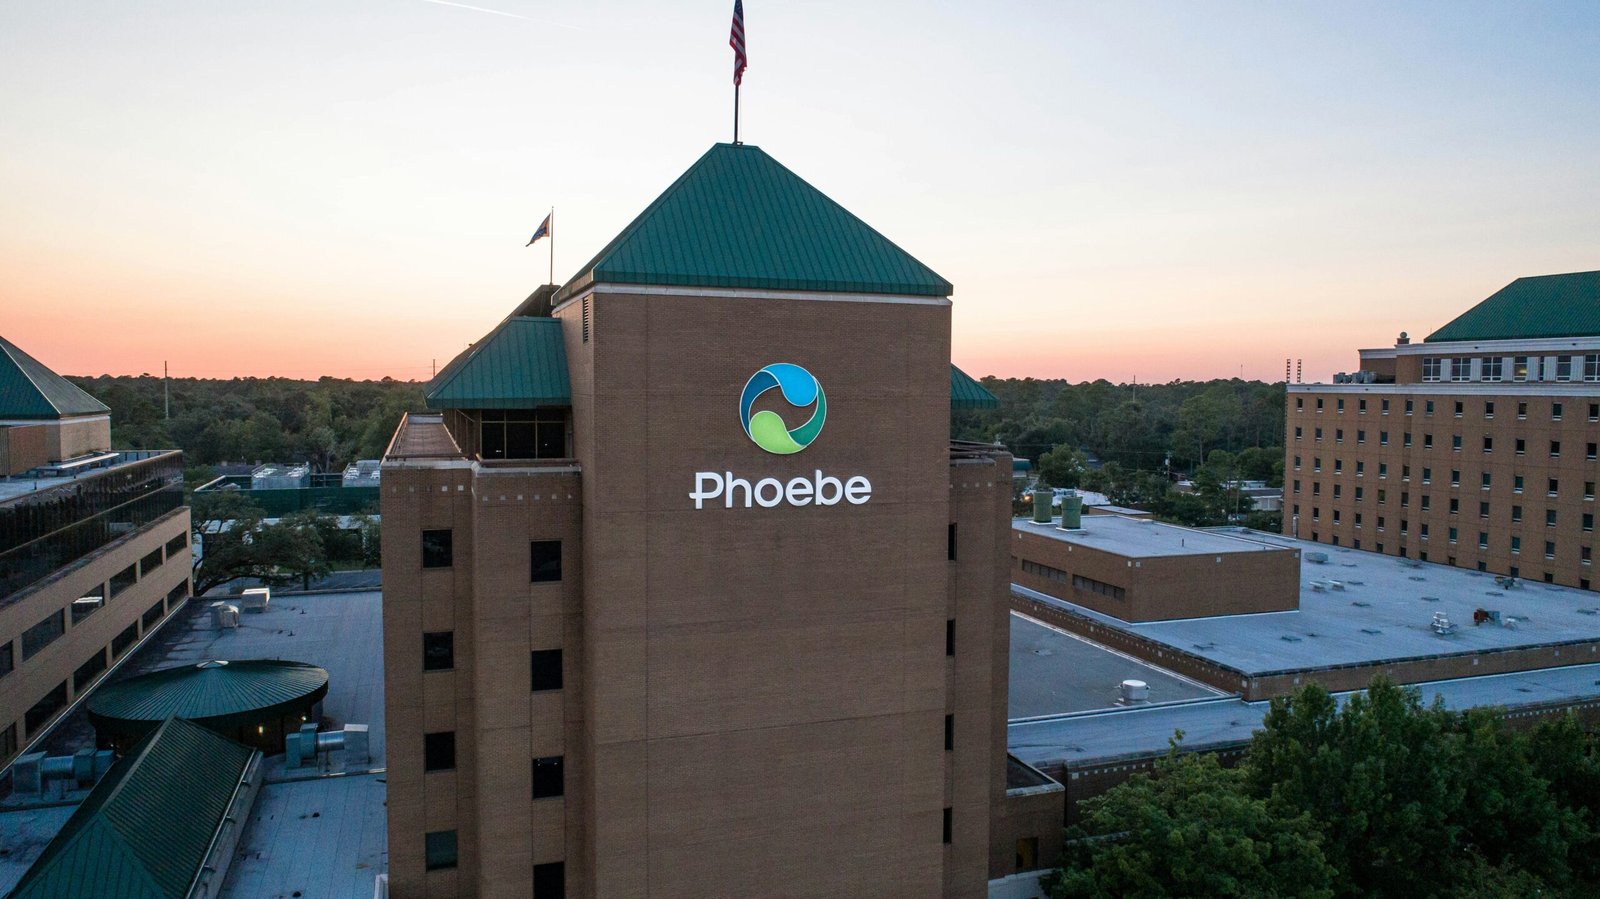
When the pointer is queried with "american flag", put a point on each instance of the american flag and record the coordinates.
(736, 41)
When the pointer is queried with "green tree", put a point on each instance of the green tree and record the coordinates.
(295, 548)
(225, 525)
(1063, 467)
(1191, 829)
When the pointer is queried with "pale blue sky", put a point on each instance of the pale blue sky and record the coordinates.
(1116, 189)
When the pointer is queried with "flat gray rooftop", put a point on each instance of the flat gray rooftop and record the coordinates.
(13, 487)
(1142, 732)
(1054, 672)
(321, 835)
(1142, 538)
(1380, 609)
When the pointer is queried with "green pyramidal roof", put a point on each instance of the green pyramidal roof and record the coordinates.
(521, 364)
(967, 393)
(30, 390)
(1540, 306)
(739, 219)
(146, 828)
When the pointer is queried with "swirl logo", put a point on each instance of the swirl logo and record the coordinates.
(799, 388)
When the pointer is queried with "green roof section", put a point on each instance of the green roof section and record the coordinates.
(218, 694)
(739, 219)
(30, 390)
(521, 364)
(146, 828)
(967, 393)
(1530, 308)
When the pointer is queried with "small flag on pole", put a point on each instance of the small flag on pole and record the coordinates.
(544, 230)
(736, 41)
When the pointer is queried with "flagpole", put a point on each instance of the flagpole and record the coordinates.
(736, 113)
(552, 245)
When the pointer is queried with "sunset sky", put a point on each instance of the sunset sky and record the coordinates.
(1122, 190)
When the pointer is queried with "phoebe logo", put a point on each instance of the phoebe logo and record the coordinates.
(767, 428)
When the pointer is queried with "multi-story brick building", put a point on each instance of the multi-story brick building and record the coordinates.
(686, 590)
(1475, 447)
(94, 546)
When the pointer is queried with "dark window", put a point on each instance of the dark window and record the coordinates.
(8, 738)
(45, 709)
(152, 615)
(950, 538)
(88, 604)
(548, 781)
(88, 671)
(546, 564)
(178, 593)
(439, 751)
(585, 319)
(947, 821)
(8, 663)
(123, 579)
(950, 637)
(150, 562)
(439, 651)
(550, 880)
(177, 544)
(121, 642)
(436, 553)
(43, 634)
(546, 668)
(949, 732)
(440, 850)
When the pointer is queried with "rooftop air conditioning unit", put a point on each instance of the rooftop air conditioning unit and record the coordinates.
(1318, 558)
(224, 616)
(1133, 692)
(255, 599)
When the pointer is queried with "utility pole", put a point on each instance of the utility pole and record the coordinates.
(166, 391)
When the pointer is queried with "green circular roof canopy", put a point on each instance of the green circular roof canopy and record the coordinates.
(218, 694)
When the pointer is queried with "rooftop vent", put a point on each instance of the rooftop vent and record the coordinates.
(1317, 558)
(1133, 692)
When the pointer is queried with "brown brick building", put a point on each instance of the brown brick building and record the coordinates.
(686, 590)
(1474, 448)
(94, 547)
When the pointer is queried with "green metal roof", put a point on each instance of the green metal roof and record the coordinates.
(967, 393)
(145, 829)
(521, 364)
(221, 695)
(737, 218)
(1540, 306)
(30, 390)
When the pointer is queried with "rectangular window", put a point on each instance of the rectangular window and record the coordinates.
(439, 847)
(947, 826)
(1486, 480)
(1483, 510)
(1563, 368)
(950, 543)
(45, 709)
(950, 637)
(1427, 407)
(1340, 404)
(1460, 407)
(1555, 449)
(8, 664)
(150, 562)
(1555, 411)
(550, 880)
(1522, 446)
(1460, 369)
(1591, 367)
(43, 634)
(949, 732)
(1455, 442)
(1549, 518)
(439, 751)
(1455, 477)
(439, 651)
(1079, 582)
(1488, 444)
(178, 593)
(1516, 545)
(88, 671)
(1588, 521)
(437, 549)
(1493, 368)
(546, 561)
(8, 741)
(1430, 368)
(1483, 540)
(88, 604)
(177, 544)
(548, 779)
(1427, 475)
(1516, 483)
(1555, 487)
(122, 642)
(1516, 514)
(585, 319)
(545, 665)
(1589, 451)
(124, 579)
(1549, 549)
(1519, 368)
(152, 615)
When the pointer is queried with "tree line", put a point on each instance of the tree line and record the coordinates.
(1379, 796)
(327, 423)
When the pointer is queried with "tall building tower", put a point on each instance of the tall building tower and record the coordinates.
(94, 546)
(1475, 447)
(687, 590)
